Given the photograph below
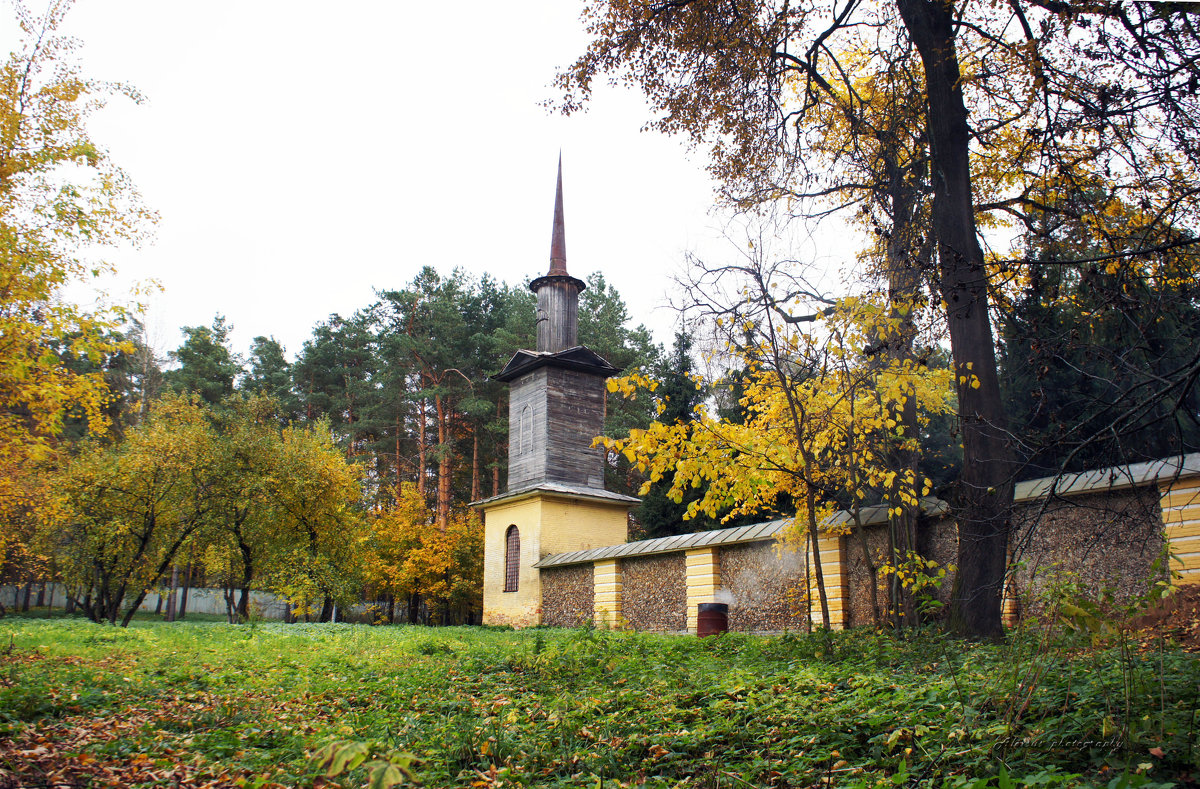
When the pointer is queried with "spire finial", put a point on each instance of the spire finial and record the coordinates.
(558, 241)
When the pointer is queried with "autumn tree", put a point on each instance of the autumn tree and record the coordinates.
(120, 514)
(819, 422)
(746, 77)
(61, 198)
(678, 394)
(414, 561)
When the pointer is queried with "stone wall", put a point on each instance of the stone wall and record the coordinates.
(567, 595)
(767, 587)
(1103, 540)
(937, 539)
(654, 594)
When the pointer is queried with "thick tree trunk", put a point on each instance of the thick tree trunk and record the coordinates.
(326, 609)
(904, 279)
(27, 596)
(41, 598)
(985, 491)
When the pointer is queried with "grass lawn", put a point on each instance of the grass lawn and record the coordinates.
(205, 703)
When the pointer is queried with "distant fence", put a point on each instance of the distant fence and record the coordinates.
(199, 600)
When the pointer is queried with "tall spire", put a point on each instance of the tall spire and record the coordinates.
(558, 241)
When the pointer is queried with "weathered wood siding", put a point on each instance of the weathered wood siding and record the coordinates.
(655, 594)
(575, 403)
(557, 314)
(527, 430)
(553, 416)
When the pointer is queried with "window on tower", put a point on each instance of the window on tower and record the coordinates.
(512, 559)
(525, 428)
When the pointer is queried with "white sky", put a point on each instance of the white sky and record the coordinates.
(302, 154)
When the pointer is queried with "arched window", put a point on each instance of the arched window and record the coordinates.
(525, 436)
(512, 559)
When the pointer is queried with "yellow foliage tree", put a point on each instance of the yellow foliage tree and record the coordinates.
(819, 424)
(119, 515)
(412, 559)
(60, 198)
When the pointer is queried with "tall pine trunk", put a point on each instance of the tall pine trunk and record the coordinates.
(444, 462)
(421, 459)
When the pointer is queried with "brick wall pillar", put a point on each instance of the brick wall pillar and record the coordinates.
(606, 575)
(703, 578)
(833, 568)
(1180, 502)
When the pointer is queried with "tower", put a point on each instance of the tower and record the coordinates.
(555, 501)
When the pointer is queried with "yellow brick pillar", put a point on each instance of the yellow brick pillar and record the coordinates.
(606, 575)
(833, 563)
(703, 576)
(1180, 502)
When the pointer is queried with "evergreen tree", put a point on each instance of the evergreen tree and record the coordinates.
(207, 367)
(659, 515)
(1087, 353)
(271, 374)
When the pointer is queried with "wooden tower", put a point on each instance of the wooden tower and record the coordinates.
(556, 501)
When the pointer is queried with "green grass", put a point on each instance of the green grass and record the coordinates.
(477, 706)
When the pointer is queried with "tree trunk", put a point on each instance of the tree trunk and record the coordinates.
(399, 476)
(25, 598)
(171, 595)
(41, 598)
(326, 609)
(475, 466)
(502, 448)
(903, 297)
(985, 489)
(814, 535)
(444, 463)
(187, 584)
(421, 459)
(243, 607)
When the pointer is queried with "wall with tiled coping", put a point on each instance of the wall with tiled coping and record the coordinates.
(1108, 539)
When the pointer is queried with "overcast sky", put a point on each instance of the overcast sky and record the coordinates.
(302, 154)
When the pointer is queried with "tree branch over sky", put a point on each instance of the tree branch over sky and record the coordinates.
(1013, 106)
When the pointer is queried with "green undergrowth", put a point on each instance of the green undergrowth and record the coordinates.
(546, 707)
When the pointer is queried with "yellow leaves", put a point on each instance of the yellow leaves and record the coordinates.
(58, 194)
